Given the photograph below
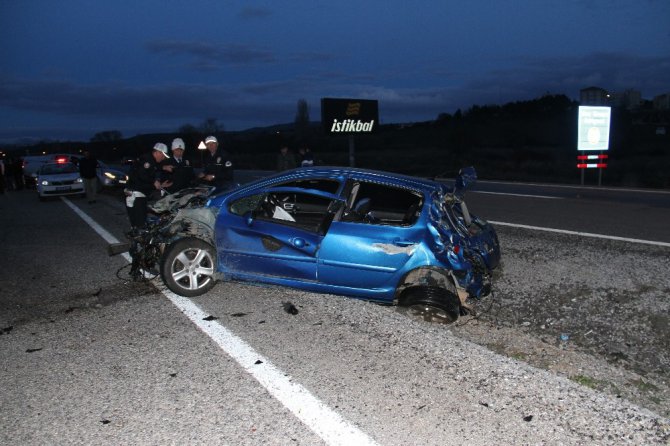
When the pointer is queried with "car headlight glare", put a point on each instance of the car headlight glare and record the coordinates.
(110, 175)
(79, 180)
(44, 183)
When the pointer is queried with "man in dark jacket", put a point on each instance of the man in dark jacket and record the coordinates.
(144, 178)
(182, 172)
(88, 170)
(217, 166)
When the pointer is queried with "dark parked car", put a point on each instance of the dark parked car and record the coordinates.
(373, 235)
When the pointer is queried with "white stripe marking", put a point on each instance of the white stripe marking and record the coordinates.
(515, 195)
(582, 234)
(568, 186)
(325, 422)
(322, 420)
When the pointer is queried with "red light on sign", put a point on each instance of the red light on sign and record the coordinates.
(591, 157)
(591, 166)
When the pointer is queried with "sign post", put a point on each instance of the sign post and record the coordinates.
(349, 116)
(201, 148)
(593, 134)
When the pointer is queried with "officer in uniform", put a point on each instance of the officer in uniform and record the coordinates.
(217, 166)
(181, 174)
(144, 179)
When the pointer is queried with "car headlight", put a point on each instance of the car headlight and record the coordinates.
(79, 180)
(110, 175)
(44, 183)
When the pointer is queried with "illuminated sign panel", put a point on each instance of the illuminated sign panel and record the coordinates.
(349, 115)
(593, 128)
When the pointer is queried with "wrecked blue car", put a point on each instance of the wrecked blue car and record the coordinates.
(373, 235)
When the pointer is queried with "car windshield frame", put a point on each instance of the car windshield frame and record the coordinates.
(58, 168)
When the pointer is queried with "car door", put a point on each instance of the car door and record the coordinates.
(371, 251)
(275, 233)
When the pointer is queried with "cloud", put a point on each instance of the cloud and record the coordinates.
(210, 56)
(208, 53)
(121, 106)
(567, 75)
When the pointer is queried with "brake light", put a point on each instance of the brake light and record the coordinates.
(61, 159)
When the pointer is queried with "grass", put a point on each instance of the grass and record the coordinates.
(644, 386)
(587, 381)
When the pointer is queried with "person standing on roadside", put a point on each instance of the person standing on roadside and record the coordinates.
(217, 166)
(144, 178)
(182, 172)
(88, 170)
(285, 159)
(2, 177)
(17, 172)
(306, 157)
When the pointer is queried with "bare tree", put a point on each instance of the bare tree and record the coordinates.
(210, 126)
(188, 129)
(107, 136)
(302, 120)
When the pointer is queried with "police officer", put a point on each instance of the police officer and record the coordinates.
(144, 179)
(182, 172)
(217, 166)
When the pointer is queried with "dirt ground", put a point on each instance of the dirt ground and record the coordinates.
(596, 311)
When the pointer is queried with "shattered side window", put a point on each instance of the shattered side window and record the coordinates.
(385, 205)
(324, 185)
(303, 210)
(246, 204)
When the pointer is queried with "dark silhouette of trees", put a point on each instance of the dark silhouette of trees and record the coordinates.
(211, 126)
(107, 136)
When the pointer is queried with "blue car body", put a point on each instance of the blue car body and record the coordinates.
(354, 232)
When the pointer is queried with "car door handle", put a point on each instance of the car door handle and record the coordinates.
(404, 243)
(299, 242)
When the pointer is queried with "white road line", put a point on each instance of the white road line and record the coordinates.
(571, 186)
(581, 234)
(325, 422)
(515, 195)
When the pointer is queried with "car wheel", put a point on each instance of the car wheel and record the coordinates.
(431, 304)
(189, 267)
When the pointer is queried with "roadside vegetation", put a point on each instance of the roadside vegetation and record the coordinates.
(521, 141)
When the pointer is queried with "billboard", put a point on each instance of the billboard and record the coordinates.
(593, 128)
(349, 115)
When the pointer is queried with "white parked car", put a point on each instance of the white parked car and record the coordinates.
(55, 179)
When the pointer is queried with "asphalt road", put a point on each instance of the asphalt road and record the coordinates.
(91, 358)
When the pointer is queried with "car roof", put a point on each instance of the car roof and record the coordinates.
(341, 173)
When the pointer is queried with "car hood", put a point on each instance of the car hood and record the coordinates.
(113, 171)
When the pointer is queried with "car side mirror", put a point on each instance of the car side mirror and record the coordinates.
(466, 178)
